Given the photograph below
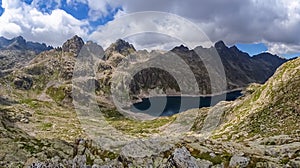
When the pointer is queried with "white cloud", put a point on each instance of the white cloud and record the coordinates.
(53, 29)
(248, 21)
(274, 22)
(98, 9)
(163, 23)
(281, 48)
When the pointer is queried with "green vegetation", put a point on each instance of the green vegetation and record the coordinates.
(56, 93)
(46, 114)
(108, 154)
(46, 126)
(31, 148)
(257, 93)
(135, 127)
(35, 104)
(39, 83)
(199, 121)
(36, 70)
(218, 159)
(89, 160)
(30, 102)
(272, 109)
(285, 160)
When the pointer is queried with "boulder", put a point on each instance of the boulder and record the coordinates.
(24, 82)
(204, 163)
(182, 158)
(239, 161)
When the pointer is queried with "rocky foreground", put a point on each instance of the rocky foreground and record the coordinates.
(40, 127)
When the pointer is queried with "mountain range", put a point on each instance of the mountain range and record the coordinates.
(19, 43)
(238, 71)
(41, 124)
(17, 52)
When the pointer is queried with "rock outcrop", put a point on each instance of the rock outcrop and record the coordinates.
(120, 46)
(73, 45)
(24, 82)
(239, 161)
(182, 158)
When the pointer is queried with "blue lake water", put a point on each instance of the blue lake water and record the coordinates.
(170, 105)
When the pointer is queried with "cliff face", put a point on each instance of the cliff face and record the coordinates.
(240, 69)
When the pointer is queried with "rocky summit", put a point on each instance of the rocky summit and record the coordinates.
(51, 118)
(73, 45)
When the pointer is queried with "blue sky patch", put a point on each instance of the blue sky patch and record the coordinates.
(291, 55)
(47, 6)
(28, 1)
(78, 10)
(1, 9)
(252, 49)
(104, 20)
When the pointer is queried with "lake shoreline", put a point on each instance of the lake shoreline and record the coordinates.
(189, 95)
(170, 105)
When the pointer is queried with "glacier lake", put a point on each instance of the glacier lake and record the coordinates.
(170, 105)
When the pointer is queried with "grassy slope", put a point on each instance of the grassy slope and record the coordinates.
(272, 109)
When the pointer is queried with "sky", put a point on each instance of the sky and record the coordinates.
(254, 26)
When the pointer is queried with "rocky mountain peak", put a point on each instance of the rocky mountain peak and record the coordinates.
(181, 48)
(73, 45)
(19, 39)
(120, 46)
(234, 48)
(18, 43)
(220, 45)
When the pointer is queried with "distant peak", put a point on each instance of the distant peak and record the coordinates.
(121, 45)
(77, 38)
(20, 43)
(181, 48)
(121, 41)
(17, 43)
(234, 48)
(220, 45)
(19, 39)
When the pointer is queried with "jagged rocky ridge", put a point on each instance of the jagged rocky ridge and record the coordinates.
(240, 69)
(19, 43)
(17, 52)
(36, 104)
